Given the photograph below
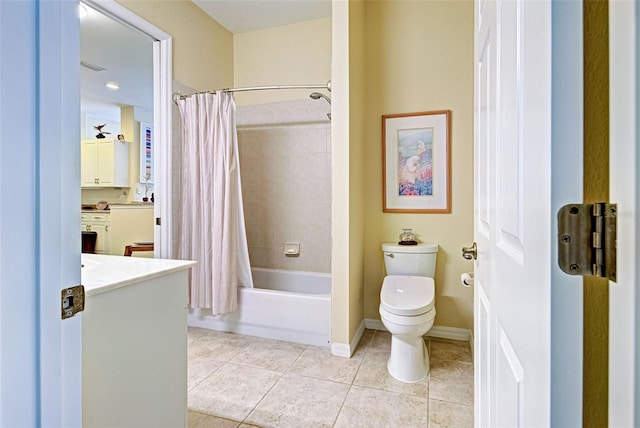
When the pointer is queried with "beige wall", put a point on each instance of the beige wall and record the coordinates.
(357, 150)
(294, 54)
(420, 58)
(202, 48)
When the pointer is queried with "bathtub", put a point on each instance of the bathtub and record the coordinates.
(283, 305)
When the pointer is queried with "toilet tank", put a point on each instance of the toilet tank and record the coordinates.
(414, 260)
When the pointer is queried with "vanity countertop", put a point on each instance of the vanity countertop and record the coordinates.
(138, 204)
(102, 273)
(86, 211)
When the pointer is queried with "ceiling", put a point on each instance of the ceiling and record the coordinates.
(127, 55)
(239, 16)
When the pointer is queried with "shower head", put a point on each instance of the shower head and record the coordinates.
(318, 95)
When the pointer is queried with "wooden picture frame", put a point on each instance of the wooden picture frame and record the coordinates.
(416, 162)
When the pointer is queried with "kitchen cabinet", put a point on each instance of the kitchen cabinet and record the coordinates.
(105, 163)
(100, 223)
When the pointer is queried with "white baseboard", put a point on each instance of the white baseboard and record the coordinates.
(344, 350)
(441, 332)
(451, 333)
(373, 324)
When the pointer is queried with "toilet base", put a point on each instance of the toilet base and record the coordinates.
(409, 359)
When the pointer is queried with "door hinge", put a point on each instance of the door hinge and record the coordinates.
(587, 240)
(72, 301)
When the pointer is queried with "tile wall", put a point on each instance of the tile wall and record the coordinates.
(285, 164)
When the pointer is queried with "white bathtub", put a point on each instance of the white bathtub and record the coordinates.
(283, 305)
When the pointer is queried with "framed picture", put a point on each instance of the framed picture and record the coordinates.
(146, 153)
(416, 162)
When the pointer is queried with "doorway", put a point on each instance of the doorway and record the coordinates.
(134, 99)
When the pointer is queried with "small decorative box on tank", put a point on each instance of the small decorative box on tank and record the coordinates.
(407, 237)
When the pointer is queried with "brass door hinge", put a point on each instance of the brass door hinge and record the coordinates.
(587, 240)
(72, 301)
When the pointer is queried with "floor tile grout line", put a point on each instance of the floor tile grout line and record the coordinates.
(261, 399)
(365, 352)
(212, 359)
(257, 403)
(297, 358)
(204, 378)
(452, 402)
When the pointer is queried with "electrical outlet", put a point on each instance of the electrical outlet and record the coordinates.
(138, 191)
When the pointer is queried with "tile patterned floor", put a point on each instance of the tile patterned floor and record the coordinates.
(244, 381)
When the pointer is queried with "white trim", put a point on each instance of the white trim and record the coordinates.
(441, 332)
(373, 324)
(567, 137)
(624, 159)
(344, 350)
(162, 115)
(340, 350)
(451, 333)
(126, 17)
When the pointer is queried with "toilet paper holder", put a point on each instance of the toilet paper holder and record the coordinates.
(467, 279)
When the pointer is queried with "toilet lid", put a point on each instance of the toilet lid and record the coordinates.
(407, 295)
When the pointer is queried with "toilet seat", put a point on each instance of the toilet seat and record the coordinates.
(407, 295)
(403, 320)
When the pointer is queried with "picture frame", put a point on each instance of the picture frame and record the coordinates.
(416, 162)
(146, 153)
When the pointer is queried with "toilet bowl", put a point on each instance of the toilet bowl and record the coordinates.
(407, 311)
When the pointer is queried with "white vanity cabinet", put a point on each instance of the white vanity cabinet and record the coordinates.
(105, 163)
(100, 223)
(134, 342)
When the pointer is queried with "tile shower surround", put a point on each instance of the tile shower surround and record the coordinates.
(285, 166)
(286, 183)
(244, 381)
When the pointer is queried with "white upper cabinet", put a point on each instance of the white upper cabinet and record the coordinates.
(105, 163)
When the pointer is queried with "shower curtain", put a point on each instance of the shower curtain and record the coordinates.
(212, 226)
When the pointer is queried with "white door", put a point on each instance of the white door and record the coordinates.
(624, 366)
(516, 193)
(40, 355)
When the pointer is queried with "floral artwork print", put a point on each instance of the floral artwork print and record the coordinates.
(415, 162)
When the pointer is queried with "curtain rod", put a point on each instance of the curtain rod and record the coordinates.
(177, 96)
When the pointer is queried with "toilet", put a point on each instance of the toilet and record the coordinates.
(407, 307)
